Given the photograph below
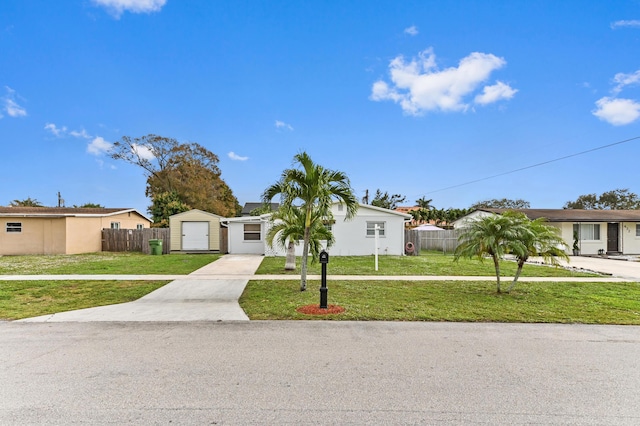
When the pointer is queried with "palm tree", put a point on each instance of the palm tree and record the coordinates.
(313, 187)
(287, 229)
(28, 202)
(494, 235)
(537, 239)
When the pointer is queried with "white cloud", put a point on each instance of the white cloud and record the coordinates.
(624, 80)
(99, 146)
(80, 134)
(236, 157)
(419, 86)
(412, 30)
(495, 93)
(282, 125)
(617, 111)
(143, 151)
(10, 106)
(118, 7)
(623, 23)
(55, 130)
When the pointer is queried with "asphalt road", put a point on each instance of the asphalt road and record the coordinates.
(318, 372)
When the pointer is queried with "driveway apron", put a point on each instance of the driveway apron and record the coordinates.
(210, 293)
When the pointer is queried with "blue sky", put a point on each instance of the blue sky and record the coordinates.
(407, 96)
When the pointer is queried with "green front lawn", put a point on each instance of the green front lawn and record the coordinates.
(557, 302)
(24, 299)
(428, 263)
(105, 263)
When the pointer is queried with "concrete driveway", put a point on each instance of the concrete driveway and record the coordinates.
(617, 268)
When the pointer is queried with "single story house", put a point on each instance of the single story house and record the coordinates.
(195, 230)
(61, 230)
(598, 231)
(353, 237)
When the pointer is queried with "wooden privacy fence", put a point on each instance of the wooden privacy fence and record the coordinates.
(445, 241)
(135, 239)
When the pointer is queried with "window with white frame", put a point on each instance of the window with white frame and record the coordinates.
(115, 225)
(139, 226)
(252, 232)
(14, 226)
(587, 231)
(371, 229)
(637, 229)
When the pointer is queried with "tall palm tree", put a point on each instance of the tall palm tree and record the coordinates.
(312, 187)
(494, 235)
(287, 229)
(536, 239)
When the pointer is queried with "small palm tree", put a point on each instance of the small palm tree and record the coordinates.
(287, 229)
(493, 235)
(28, 202)
(312, 187)
(536, 239)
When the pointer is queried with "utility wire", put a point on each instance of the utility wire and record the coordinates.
(534, 165)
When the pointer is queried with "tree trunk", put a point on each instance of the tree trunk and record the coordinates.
(303, 262)
(496, 263)
(518, 272)
(290, 264)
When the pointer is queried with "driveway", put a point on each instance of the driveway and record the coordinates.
(617, 268)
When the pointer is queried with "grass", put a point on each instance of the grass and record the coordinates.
(557, 302)
(428, 263)
(24, 299)
(104, 263)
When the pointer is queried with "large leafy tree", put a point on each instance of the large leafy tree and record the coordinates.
(493, 235)
(27, 202)
(535, 238)
(386, 200)
(312, 188)
(187, 171)
(287, 230)
(503, 203)
(617, 199)
(163, 205)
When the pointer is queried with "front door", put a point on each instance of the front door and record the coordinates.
(195, 235)
(612, 237)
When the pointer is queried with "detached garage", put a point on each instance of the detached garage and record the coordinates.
(195, 230)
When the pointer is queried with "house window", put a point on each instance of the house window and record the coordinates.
(637, 229)
(139, 226)
(252, 232)
(14, 226)
(371, 229)
(115, 225)
(587, 231)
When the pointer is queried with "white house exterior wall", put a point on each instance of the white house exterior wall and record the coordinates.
(237, 244)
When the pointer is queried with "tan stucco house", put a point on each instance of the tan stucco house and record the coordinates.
(61, 230)
(597, 231)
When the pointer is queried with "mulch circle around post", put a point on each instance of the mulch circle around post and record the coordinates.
(317, 310)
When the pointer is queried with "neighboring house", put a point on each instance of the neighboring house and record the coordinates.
(61, 230)
(249, 207)
(352, 237)
(195, 230)
(599, 231)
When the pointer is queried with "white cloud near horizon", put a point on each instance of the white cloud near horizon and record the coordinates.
(626, 23)
(617, 112)
(118, 7)
(282, 125)
(419, 86)
(237, 157)
(412, 30)
(10, 105)
(99, 146)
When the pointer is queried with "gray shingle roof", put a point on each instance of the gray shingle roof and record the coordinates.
(575, 215)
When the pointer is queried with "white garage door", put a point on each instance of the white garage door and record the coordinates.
(195, 235)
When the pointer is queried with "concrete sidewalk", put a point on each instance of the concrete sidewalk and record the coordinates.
(201, 296)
